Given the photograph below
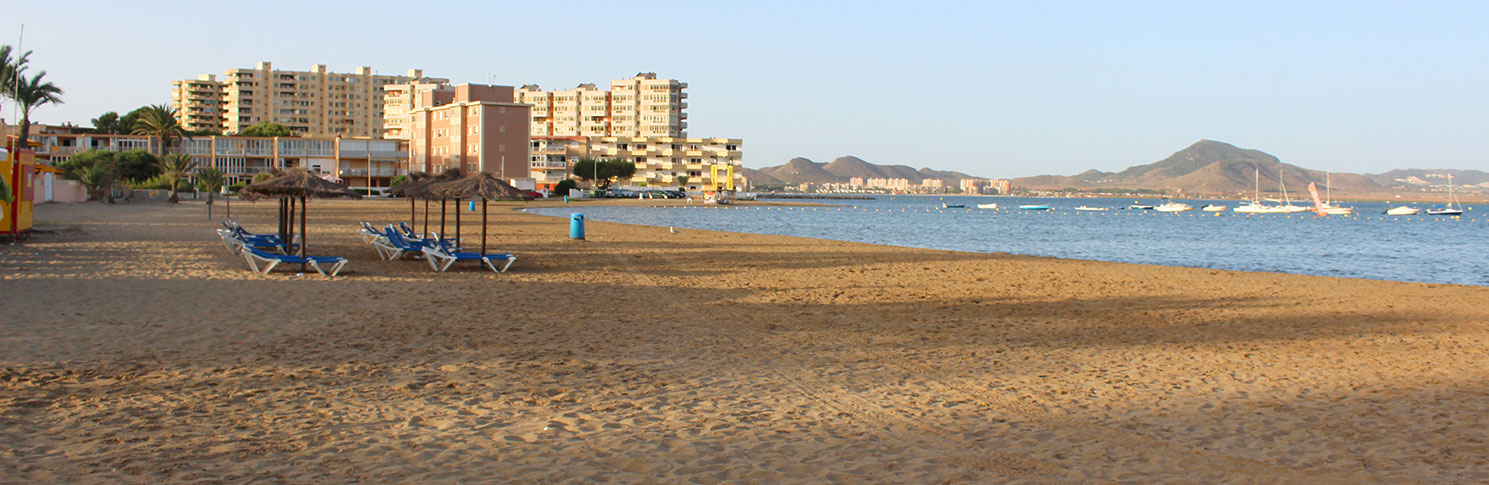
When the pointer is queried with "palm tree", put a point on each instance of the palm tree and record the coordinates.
(210, 179)
(30, 94)
(175, 167)
(96, 179)
(159, 121)
(9, 70)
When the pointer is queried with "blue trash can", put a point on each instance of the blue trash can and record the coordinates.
(472, 206)
(576, 226)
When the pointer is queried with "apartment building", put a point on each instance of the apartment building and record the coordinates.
(200, 103)
(361, 163)
(473, 127)
(640, 106)
(660, 160)
(399, 102)
(311, 103)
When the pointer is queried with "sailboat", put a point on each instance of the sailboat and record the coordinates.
(1287, 206)
(1453, 208)
(1254, 207)
(1328, 207)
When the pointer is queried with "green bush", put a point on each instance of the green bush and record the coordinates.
(563, 186)
(158, 182)
(234, 188)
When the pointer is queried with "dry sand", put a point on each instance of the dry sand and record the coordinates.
(134, 348)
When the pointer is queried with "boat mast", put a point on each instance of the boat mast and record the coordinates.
(1280, 175)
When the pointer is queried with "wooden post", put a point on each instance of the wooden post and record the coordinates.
(411, 220)
(302, 232)
(442, 218)
(457, 222)
(426, 217)
(483, 226)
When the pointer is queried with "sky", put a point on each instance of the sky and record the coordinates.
(993, 89)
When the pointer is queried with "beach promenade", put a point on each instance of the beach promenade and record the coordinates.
(134, 348)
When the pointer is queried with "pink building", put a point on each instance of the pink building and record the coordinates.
(473, 127)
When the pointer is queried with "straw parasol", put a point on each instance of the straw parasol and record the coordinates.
(482, 185)
(289, 185)
(419, 189)
(412, 189)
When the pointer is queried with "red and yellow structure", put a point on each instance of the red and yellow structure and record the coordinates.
(16, 169)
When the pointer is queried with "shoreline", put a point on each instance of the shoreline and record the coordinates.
(146, 352)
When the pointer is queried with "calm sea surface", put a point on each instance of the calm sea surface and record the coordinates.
(1369, 245)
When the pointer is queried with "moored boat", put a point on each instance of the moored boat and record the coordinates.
(1402, 211)
(993, 205)
(1034, 207)
(1141, 207)
(1173, 207)
(1212, 208)
(953, 206)
(1092, 209)
(1453, 208)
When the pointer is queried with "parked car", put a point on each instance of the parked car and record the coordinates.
(533, 193)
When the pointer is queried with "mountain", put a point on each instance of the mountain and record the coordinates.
(1209, 167)
(1417, 178)
(840, 170)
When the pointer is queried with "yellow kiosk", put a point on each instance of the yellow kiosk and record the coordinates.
(16, 170)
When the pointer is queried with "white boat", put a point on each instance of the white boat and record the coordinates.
(1255, 206)
(1212, 208)
(1328, 207)
(988, 206)
(1402, 211)
(1092, 209)
(1141, 207)
(1287, 206)
(1173, 207)
(1453, 208)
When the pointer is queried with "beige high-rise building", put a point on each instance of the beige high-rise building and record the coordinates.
(640, 106)
(199, 103)
(399, 102)
(311, 103)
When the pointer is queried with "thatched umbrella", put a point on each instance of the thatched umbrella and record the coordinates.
(415, 187)
(289, 185)
(481, 185)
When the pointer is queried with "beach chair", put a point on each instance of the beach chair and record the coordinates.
(440, 258)
(235, 241)
(394, 245)
(262, 261)
(369, 233)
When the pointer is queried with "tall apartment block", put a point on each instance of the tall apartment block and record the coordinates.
(473, 127)
(311, 103)
(640, 106)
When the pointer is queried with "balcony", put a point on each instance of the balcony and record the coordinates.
(364, 172)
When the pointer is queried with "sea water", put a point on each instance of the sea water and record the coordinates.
(1368, 245)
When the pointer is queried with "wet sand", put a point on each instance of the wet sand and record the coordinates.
(135, 348)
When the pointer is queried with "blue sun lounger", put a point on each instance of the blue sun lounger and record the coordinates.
(440, 258)
(258, 257)
(393, 245)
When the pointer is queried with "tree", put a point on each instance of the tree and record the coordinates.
(107, 123)
(175, 167)
(210, 180)
(31, 93)
(10, 70)
(682, 182)
(564, 186)
(607, 171)
(397, 179)
(266, 128)
(136, 164)
(159, 121)
(96, 179)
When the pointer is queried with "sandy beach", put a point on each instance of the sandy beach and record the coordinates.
(135, 348)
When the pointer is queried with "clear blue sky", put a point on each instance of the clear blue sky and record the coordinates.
(997, 89)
